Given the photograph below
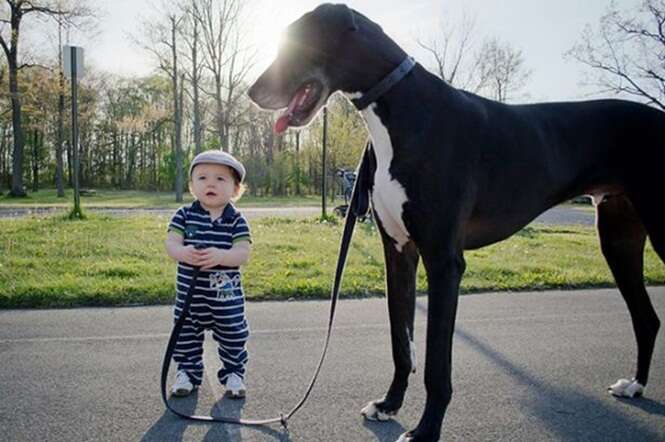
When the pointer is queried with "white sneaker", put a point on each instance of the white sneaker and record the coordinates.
(182, 385)
(235, 388)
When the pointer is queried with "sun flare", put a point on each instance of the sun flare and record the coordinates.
(267, 35)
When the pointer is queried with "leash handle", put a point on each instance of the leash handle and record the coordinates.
(168, 354)
(360, 190)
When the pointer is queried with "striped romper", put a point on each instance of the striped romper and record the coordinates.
(218, 303)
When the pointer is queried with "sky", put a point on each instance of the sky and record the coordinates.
(542, 29)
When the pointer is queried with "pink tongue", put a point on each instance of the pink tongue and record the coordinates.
(282, 124)
(284, 120)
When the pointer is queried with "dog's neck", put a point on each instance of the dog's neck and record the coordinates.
(384, 85)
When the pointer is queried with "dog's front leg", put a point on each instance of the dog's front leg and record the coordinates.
(401, 292)
(444, 273)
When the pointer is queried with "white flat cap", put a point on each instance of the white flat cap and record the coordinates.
(218, 157)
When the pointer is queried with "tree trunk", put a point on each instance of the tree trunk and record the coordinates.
(160, 139)
(195, 86)
(115, 159)
(131, 162)
(35, 160)
(226, 121)
(59, 184)
(153, 153)
(3, 154)
(178, 116)
(17, 160)
(219, 113)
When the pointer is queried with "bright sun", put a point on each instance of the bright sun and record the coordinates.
(267, 31)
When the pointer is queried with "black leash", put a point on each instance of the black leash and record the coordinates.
(358, 207)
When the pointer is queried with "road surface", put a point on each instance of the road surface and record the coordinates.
(527, 366)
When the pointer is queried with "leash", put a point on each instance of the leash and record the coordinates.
(358, 207)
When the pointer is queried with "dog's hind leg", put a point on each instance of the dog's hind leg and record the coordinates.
(622, 238)
(401, 288)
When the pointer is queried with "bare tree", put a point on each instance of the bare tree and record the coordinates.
(163, 38)
(452, 49)
(241, 62)
(191, 34)
(494, 69)
(502, 70)
(626, 52)
(177, 104)
(218, 20)
(12, 14)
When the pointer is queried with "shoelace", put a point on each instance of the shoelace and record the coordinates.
(182, 377)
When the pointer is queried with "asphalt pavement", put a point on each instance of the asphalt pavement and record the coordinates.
(527, 367)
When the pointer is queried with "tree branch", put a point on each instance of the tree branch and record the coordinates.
(4, 46)
(34, 65)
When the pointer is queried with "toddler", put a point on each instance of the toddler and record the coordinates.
(211, 234)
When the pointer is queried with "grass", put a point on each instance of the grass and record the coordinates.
(140, 199)
(54, 262)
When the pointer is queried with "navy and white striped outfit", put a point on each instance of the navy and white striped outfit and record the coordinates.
(218, 303)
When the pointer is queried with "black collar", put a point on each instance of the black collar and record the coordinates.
(384, 85)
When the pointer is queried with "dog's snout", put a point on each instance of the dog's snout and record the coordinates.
(260, 96)
(251, 92)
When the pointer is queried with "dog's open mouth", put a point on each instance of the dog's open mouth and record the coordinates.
(301, 106)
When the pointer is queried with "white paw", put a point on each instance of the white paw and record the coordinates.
(403, 438)
(626, 388)
(371, 413)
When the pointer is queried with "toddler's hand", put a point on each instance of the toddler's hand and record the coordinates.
(210, 257)
(191, 256)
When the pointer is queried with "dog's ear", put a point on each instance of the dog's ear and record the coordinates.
(350, 19)
(341, 15)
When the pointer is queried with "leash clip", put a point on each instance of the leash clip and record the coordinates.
(283, 420)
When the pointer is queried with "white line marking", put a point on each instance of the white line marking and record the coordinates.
(624, 316)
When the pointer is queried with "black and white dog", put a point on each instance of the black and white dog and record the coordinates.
(454, 171)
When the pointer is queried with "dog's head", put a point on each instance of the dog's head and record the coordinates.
(328, 49)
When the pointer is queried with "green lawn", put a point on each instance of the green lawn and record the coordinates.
(140, 199)
(52, 262)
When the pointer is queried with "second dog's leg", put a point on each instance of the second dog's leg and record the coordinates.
(401, 280)
(622, 239)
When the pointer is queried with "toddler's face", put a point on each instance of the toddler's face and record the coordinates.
(213, 185)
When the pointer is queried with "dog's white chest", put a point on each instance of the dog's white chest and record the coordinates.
(388, 195)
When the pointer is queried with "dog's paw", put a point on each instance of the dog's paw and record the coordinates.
(404, 437)
(372, 413)
(409, 437)
(626, 388)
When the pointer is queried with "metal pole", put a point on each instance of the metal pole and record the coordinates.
(298, 163)
(325, 173)
(75, 136)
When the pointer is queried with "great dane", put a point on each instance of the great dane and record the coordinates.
(455, 171)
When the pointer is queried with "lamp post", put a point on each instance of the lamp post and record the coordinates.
(325, 173)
